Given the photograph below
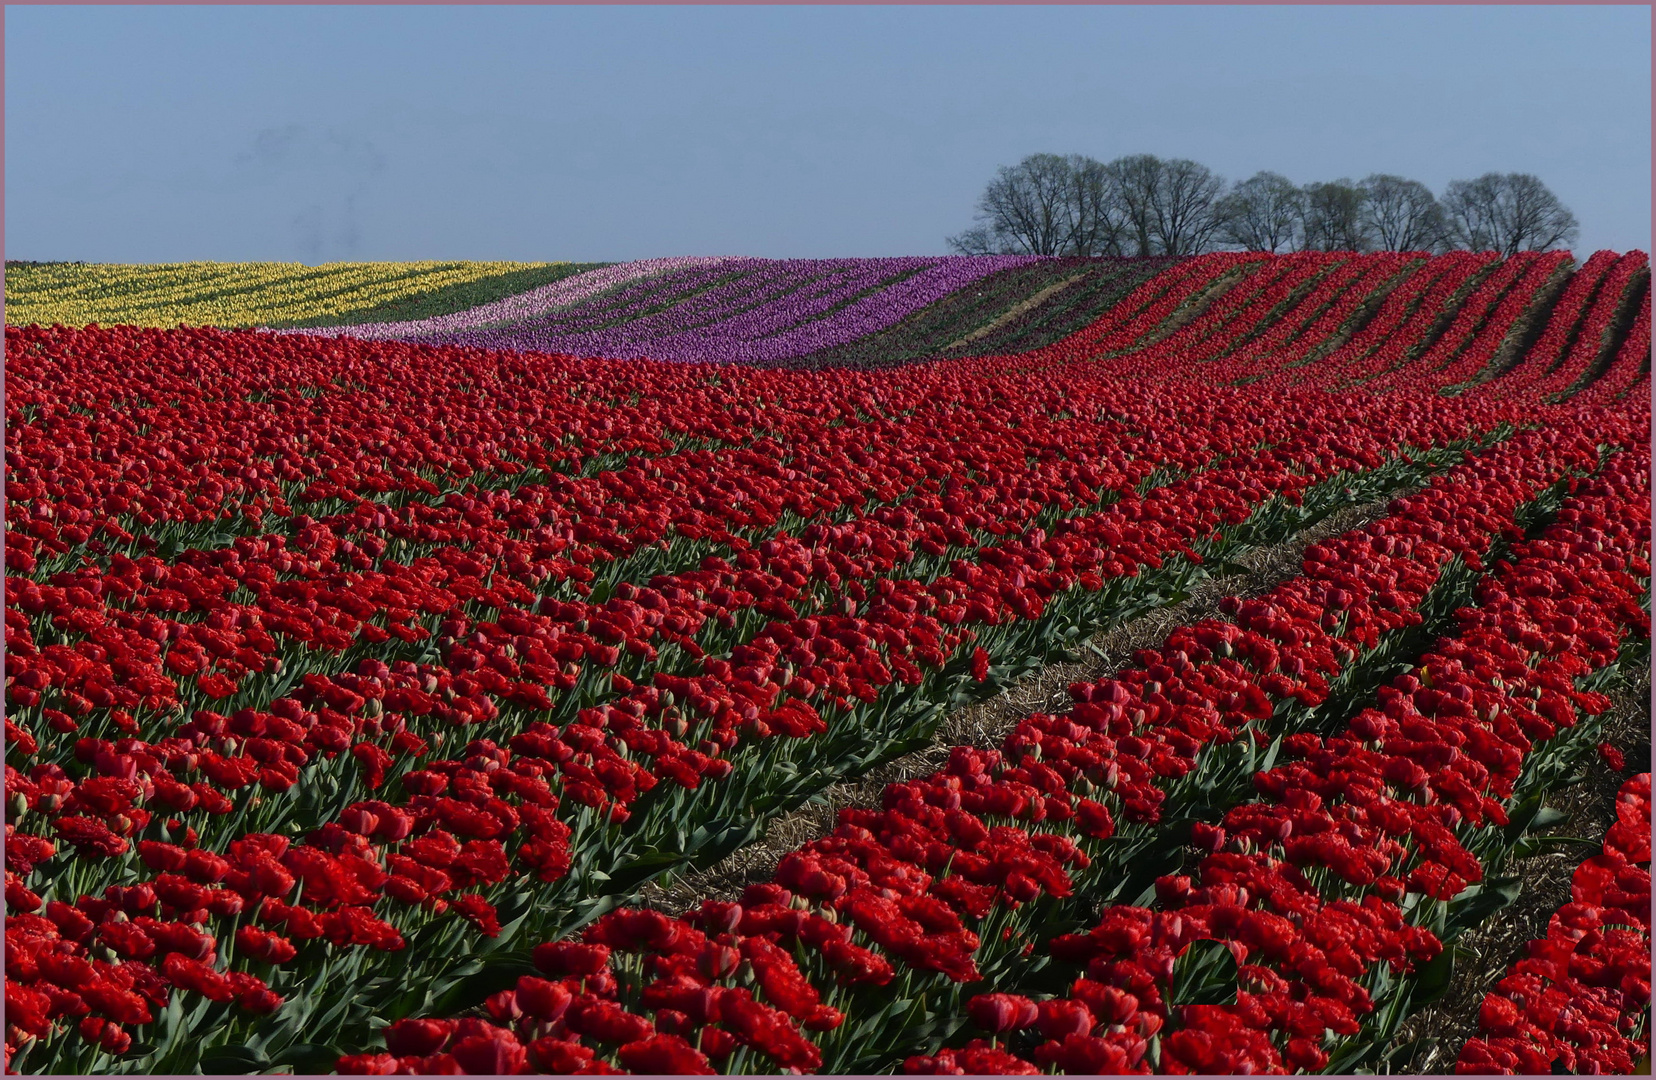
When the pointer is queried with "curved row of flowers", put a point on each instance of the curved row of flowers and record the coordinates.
(233, 294)
(1627, 376)
(1579, 999)
(1402, 326)
(524, 306)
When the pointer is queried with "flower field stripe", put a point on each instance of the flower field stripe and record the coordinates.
(1481, 325)
(794, 878)
(1152, 303)
(1628, 374)
(1580, 999)
(526, 305)
(1592, 340)
(1564, 327)
(225, 294)
(1299, 294)
(1591, 357)
(1511, 320)
(1130, 322)
(1266, 307)
(1242, 308)
(1265, 899)
(446, 300)
(1404, 322)
(1338, 299)
(1231, 321)
(1452, 307)
(1073, 307)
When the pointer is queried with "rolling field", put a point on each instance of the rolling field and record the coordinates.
(1233, 663)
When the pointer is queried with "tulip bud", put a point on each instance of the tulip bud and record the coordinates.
(717, 961)
(542, 998)
(1060, 1018)
(1207, 837)
(1000, 1013)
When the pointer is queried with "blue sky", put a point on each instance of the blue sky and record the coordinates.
(149, 134)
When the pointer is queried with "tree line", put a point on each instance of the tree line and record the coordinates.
(1053, 204)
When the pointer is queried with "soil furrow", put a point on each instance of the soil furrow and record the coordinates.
(1012, 313)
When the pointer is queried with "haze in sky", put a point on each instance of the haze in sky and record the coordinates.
(316, 133)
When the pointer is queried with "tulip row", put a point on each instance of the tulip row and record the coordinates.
(1251, 306)
(1336, 870)
(814, 869)
(1065, 312)
(247, 294)
(1592, 337)
(530, 304)
(1258, 316)
(1331, 306)
(1580, 999)
(1565, 333)
(1152, 304)
(1483, 325)
(1628, 375)
(1404, 323)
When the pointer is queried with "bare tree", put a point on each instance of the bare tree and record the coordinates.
(1334, 217)
(978, 240)
(1135, 180)
(1187, 210)
(1097, 222)
(1469, 213)
(1506, 212)
(1047, 205)
(1023, 210)
(1262, 213)
(1400, 214)
(1167, 207)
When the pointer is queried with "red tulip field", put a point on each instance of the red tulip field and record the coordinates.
(573, 684)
